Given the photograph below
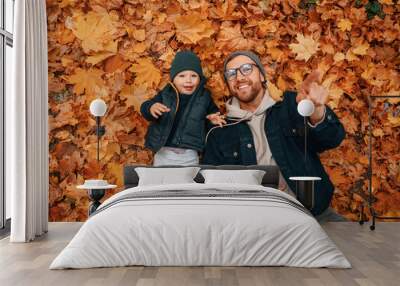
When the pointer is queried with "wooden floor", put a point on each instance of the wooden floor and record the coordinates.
(375, 256)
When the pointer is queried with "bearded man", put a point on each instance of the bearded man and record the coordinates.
(262, 131)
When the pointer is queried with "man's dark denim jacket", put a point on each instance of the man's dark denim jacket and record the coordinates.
(284, 129)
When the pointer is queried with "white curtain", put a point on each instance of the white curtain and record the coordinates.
(27, 148)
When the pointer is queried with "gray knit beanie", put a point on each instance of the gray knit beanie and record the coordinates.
(248, 54)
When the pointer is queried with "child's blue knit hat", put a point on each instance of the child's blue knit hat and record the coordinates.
(185, 60)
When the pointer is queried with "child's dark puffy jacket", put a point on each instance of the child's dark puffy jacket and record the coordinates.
(191, 130)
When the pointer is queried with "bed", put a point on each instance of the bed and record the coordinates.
(201, 224)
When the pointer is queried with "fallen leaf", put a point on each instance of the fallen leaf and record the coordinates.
(88, 82)
(139, 35)
(231, 38)
(190, 29)
(345, 25)
(135, 95)
(305, 48)
(361, 49)
(97, 31)
(274, 92)
(339, 57)
(147, 75)
(98, 57)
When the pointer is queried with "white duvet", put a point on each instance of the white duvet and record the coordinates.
(200, 231)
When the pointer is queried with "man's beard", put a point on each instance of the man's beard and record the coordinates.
(249, 96)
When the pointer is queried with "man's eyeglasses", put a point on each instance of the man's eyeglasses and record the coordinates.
(245, 69)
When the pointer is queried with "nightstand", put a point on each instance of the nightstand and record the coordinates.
(96, 190)
(305, 190)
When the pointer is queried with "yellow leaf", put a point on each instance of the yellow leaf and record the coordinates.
(217, 86)
(324, 64)
(345, 25)
(363, 160)
(132, 52)
(378, 75)
(96, 30)
(65, 3)
(276, 53)
(168, 55)
(66, 61)
(135, 95)
(139, 48)
(146, 73)
(190, 29)
(394, 120)
(350, 56)
(267, 26)
(161, 18)
(296, 75)
(361, 49)
(139, 35)
(327, 48)
(89, 82)
(378, 132)
(115, 64)
(115, 169)
(281, 83)
(305, 48)
(335, 96)
(225, 10)
(231, 38)
(387, 2)
(112, 148)
(98, 57)
(329, 79)
(148, 16)
(63, 135)
(339, 57)
(274, 92)
(91, 147)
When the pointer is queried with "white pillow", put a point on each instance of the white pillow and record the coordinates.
(165, 176)
(248, 177)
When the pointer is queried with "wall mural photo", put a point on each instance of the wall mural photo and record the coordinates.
(121, 52)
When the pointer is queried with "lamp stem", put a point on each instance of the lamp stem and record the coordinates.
(305, 140)
(98, 136)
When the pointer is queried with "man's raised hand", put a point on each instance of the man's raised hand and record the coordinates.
(312, 89)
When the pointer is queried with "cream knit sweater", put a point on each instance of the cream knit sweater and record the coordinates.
(256, 122)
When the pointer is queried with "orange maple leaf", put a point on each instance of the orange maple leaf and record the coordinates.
(225, 10)
(305, 48)
(231, 38)
(147, 74)
(98, 57)
(97, 31)
(89, 82)
(217, 86)
(115, 173)
(361, 49)
(274, 91)
(190, 29)
(134, 95)
(345, 25)
(139, 35)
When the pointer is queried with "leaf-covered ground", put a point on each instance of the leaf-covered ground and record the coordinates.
(120, 51)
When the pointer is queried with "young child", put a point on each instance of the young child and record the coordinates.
(178, 114)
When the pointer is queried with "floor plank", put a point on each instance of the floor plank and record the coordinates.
(374, 255)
